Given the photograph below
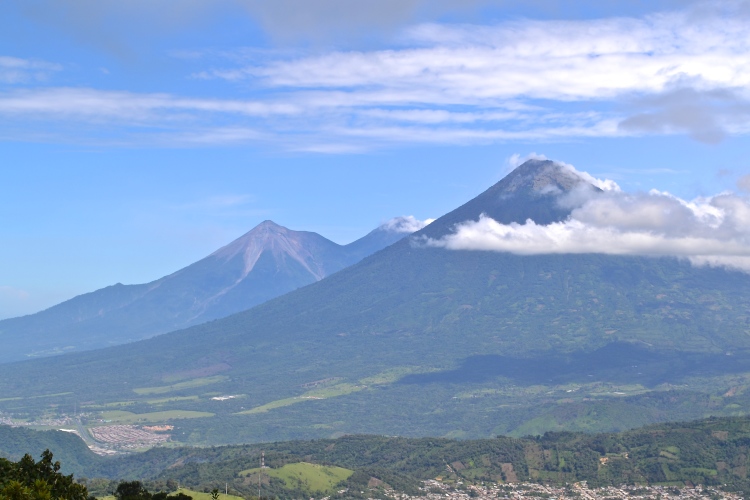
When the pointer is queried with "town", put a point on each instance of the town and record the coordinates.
(436, 490)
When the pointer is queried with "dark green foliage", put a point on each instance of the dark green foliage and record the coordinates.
(177, 496)
(132, 490)
(136, 490)
(709, 452)
(30, 480)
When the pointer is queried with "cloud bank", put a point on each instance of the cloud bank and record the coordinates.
(707, 231)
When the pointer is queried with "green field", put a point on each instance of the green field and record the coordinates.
(393, 374)
(325, 393)
(126, 417)
(38, 396)
(189, 384)
(305, 476)
(171, 400)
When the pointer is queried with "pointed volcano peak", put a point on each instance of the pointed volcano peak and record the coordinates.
(541, 177)
(268, 226)
(280, 242)
(530, 192)
(264, 236)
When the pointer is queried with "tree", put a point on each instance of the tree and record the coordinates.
(132, 490)
(30, 480)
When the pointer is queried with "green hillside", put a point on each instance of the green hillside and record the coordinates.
(67, 447)
(710, 452)
(302, 476)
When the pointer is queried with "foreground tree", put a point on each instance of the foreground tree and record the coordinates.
(30, 480)
(132, 490)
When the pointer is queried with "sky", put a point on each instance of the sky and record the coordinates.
(138, 137)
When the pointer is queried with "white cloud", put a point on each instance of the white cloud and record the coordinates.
(405, 224)
(688, 73)
(89, 103)
(565, 60)
(555, 80)
(707, 231)
(14, 70)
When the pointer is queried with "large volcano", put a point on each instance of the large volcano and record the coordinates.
(420, 340)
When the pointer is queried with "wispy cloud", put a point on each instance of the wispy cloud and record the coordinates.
(681, 72)
(14, 70)
(127, 107)
(562, 60)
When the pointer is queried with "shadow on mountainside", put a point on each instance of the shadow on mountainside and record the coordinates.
(617, 362)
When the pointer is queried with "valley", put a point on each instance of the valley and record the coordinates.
(698, 459)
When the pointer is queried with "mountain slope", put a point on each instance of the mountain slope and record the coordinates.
(266, 262)
(424, 341)
(531, 191)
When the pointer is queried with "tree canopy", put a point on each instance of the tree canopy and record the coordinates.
(42, 480)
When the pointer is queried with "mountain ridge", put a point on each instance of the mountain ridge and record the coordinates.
(265, 262)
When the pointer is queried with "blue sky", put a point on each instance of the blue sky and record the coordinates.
(137, 137)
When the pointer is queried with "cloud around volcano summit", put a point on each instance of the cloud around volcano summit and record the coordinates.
(707, 231)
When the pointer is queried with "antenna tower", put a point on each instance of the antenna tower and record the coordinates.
(262, 462)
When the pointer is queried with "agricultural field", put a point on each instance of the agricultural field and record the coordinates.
(303, 476)
(189, 384)
(126, 417)
(325, 393)
(467, 401)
